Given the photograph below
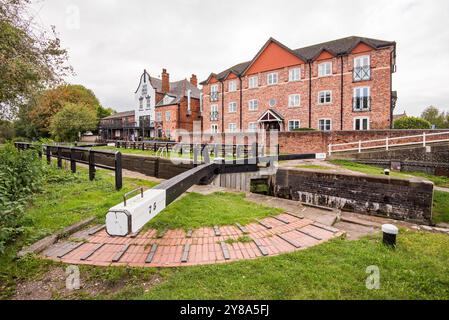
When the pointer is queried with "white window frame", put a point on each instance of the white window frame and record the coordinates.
(214, 128)
(232, 127)
(324, 92)
(271, 77)
(361, 123)
(361, 59)
(167, 116)
(325, 119)
(253, 82)
(292, 100)
(234, 109)
(322, 69)
(158, 116)
(214, 88)
(232, 86)
(252, 124)
(253, 105)
(294, 120)
(360, 90)
(294, 74)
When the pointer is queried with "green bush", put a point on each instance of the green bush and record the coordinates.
(412, 123)
(21, 174)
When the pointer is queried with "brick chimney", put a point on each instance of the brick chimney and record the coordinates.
(165, 81)
(194, 80)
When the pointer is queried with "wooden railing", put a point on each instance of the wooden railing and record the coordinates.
(76, 155)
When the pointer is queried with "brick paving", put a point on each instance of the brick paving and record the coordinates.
(270, 236)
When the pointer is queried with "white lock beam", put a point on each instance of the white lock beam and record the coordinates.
(130, 216)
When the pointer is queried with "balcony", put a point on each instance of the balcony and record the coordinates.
(214, 116)
(214, 96)
(362, 73)
(360, 104)
(111, 124)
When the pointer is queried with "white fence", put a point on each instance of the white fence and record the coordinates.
(389, 142)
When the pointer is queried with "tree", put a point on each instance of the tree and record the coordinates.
(72, 120)
(30, 57)
(412, 123)
(49, 102)
(6, 130)
(435, 117)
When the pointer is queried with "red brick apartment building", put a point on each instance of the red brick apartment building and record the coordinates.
(160, 107)
(345, 84)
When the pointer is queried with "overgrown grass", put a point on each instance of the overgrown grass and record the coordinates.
(196, 210)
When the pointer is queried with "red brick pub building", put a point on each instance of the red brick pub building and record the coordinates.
(344, 84)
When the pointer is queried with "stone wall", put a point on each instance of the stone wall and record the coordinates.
(431, 159)
(409, 200)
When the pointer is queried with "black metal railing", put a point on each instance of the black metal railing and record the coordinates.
(82, 155)
(214, 96)
(214, 116)
(362, 73)
(361, 103)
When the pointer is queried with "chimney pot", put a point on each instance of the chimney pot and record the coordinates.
(194, 80)
(165, 81)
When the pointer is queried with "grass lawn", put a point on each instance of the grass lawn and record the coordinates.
(196, 210)
(440, 181)
(313, 166)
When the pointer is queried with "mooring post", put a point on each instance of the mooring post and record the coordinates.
(91, 157)
(206, 156)
(118, 171)
(195, 156)
(58, 152)
(72, 160)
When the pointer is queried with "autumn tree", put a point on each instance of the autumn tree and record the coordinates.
(31, 57)
(73, 120)
(49, 102)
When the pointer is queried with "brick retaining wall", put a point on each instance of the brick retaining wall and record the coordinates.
(409, 200)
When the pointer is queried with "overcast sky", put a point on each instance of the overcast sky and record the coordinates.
(110, 42)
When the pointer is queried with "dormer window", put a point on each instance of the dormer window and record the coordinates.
(232, 86)
(325, 69)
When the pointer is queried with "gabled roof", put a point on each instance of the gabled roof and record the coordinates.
(178, 89)
(272, 40)
(270, 115)
(337, 47)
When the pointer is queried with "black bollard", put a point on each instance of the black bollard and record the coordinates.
(389, 234)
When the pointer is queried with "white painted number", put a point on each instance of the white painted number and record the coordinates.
(373, 280)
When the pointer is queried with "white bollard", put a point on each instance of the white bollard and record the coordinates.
(130, 216)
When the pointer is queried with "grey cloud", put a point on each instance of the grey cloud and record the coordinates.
(118, 39)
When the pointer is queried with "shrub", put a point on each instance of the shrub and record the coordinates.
(412, 123)
(21, 174)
